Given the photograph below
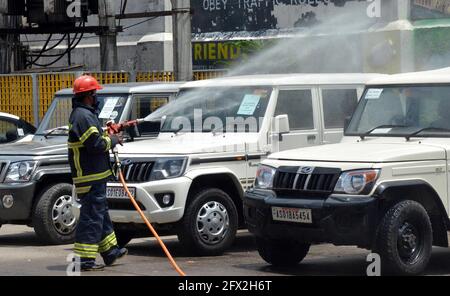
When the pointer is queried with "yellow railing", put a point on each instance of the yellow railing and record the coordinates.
(111, 77)
(209, 74)
(16, 91)
(155, 76)
(48, 85)
(16, 96)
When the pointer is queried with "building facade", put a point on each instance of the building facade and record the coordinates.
(385, 36)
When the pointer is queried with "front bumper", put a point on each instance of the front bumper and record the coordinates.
(22, 194)
(336, 219)
(145, 195)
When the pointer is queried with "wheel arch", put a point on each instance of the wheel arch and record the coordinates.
(422, 192)
(45, 180)
(225, 180)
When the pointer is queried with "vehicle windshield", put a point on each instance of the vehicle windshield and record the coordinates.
(422, 111)
(57, 116)
(218, 109)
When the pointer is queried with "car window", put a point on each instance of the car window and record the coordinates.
(403, 110)
(297, 104)
(8, 131)
(111, 107)
(230, 109)
(144, 105)
(338, 104)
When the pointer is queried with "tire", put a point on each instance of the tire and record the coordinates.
(210, 223)
(282, 253)
(123, 238)
(55, 201)
(404, 239)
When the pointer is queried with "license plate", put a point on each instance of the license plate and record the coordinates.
(292, 215)
(119, 192)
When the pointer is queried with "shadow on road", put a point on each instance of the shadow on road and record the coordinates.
(332, 266)
(323, 261)
(25, 238)
(243, 243)
(347, 265)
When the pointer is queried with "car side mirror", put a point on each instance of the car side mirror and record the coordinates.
(281, 125)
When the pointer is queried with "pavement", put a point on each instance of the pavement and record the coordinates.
(21, 253)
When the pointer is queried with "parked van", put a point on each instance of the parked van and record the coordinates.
(35, 180)
(385, 187)
(191, 179)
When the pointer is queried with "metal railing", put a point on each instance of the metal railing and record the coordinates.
(29, 95)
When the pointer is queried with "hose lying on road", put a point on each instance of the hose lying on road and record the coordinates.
(155, 234)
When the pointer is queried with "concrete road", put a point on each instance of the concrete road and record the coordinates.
(22, 254)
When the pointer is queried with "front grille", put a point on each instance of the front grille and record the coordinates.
(123, 205)
(137, 171)
(309, 180)
(3, 167)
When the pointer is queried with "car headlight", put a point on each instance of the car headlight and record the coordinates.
(264, 177)
(20, 171)
(358, 182)
(166, 168)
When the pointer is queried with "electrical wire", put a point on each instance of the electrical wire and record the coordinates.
(139, 23)
(60, 56)
(70, 47)
(41, 51)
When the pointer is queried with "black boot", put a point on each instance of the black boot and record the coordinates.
(113, 255)
(91, 266)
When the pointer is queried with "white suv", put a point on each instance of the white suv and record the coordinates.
(385, 187)
(190, 180)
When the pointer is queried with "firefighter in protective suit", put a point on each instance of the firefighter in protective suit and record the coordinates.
(90, 165)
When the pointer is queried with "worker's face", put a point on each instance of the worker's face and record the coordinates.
(91, 100)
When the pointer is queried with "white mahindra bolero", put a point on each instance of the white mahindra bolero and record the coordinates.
(385, 187)
(190, 180)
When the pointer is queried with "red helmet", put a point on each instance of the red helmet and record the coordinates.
(85, 83)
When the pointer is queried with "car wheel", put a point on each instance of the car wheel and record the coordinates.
(404, 239)
(54, 218)
(282, 253)
(209, 224)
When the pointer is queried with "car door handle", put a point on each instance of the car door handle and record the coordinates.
(311, 137)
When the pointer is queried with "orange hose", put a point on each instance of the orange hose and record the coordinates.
(155, 234)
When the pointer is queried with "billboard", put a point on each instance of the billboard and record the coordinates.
(261, 15)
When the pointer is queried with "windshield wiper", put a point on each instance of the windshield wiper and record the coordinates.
(408, 137)
(369, 132)
(56, 129)
(175, 131)
(215, 130)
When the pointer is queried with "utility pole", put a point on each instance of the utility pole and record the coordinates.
(8, 45)
(182, 46)
(108, 39)
(5, 56)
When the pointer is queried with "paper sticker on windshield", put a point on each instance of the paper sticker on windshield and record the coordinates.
(248, 105)
(20, 132)
(374, 93)
(108, 109)
(382, 131)
(114, 115)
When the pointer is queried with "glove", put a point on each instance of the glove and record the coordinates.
(116, 139)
